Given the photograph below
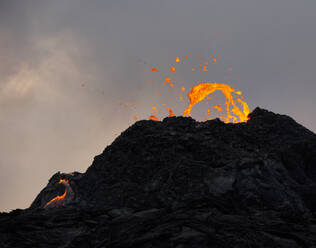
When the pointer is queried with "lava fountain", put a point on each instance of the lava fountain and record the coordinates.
(202, 90)
(234, 110)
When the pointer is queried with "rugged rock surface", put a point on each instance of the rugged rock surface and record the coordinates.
(181, 183)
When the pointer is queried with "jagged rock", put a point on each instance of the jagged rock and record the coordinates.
(182, 183)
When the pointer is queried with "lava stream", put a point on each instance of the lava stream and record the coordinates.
(59, 200)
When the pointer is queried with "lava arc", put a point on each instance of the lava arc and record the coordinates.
(200, 91)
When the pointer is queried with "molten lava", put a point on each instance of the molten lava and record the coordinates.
(201, 91)
(234, 110)
(171, 114)
(153, 118)
(59, 199)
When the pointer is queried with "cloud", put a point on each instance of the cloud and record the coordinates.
(48, 120)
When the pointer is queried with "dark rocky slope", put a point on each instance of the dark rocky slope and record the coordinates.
(181, 183)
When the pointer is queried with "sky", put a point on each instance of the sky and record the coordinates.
(65, 64)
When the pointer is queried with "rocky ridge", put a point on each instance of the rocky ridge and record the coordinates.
(183, 183)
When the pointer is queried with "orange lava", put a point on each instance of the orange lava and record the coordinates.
(218, 107)
(202, 90)
(171, 114)
(59, 197)
(153, 118)
(234, 110)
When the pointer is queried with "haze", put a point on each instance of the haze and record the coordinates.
(48, 49)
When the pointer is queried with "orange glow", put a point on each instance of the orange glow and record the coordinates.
(59, 197)
(200, 91)
(63, 181)
(234, 109)
(180, 97)
(218, 107)
(171, 114)
(245, 106)
(153, 118)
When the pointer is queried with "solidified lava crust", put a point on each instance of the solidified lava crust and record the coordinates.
(182, 183)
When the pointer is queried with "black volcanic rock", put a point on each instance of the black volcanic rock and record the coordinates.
(181, 183)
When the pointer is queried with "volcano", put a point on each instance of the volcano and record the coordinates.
(182, 183)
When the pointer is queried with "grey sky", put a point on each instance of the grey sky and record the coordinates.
(50, 123)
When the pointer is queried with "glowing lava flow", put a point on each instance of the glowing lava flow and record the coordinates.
(58, 200)
(201, 91)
